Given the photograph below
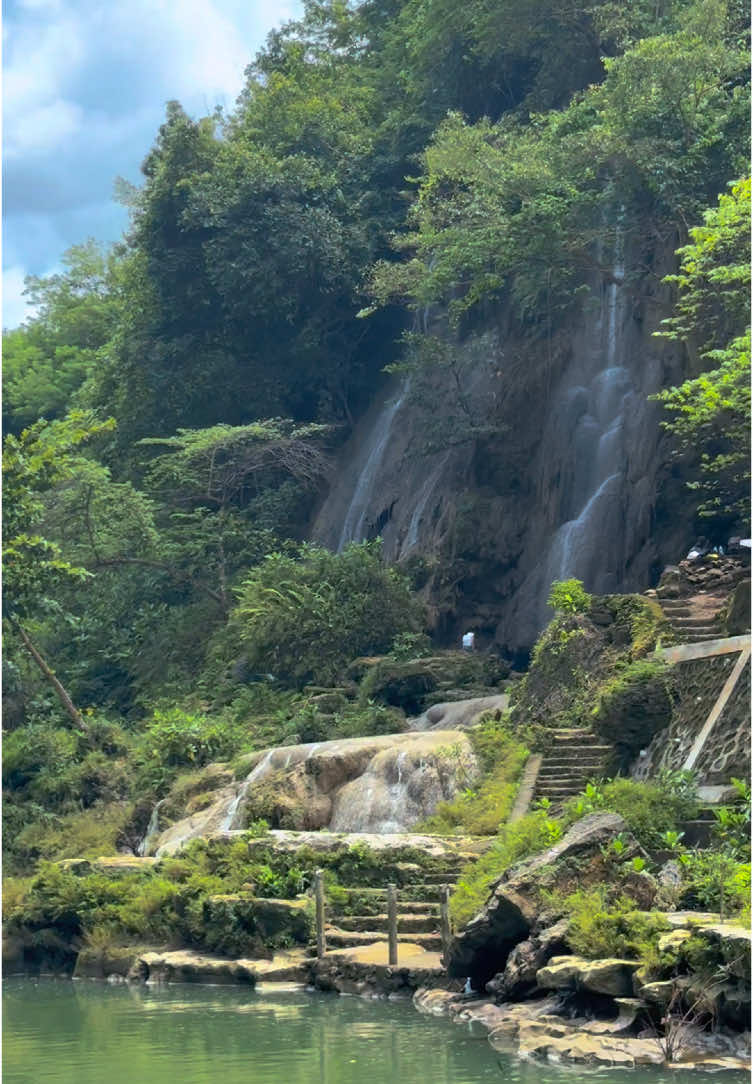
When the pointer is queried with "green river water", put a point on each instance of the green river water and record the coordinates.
(63, 1032)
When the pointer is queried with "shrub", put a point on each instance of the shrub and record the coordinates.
(648, 809)
(601, 925)
(568, 597)
(176, 739)
(481, 810)
(303, 619)
(714, 881)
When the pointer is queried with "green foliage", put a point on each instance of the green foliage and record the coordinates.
(649, 809)
(35, 461)
(481, 810)
(47, 360)
(715, 881)
(568, 597)
(633, 706)
(529, 835)
(710, 414)
(602, 924)
(512, 209)
(303, 619)
(175, 739)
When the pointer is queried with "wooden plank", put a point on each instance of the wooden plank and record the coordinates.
(704, 649)
(392, 923)
(321, 944)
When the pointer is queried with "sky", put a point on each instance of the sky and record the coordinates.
(85, 84)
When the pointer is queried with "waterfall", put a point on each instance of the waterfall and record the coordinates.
(600, 399)
(152, 831)
(355, 517)
(427, 491)
(262, 768)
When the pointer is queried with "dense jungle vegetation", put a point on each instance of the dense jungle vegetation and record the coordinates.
(172, 408)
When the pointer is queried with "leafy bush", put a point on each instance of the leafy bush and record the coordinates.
(601, 926)
(481, 810)
(176, 739)
(568, 597)
(648, 809)
(714, 881)
(304, 619)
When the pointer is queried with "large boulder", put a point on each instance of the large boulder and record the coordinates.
(511, 911)
(525, 960)
(612, 977)
(459, 714)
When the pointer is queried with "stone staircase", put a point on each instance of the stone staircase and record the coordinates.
(574, 757)
(693, 619)
(362, 918)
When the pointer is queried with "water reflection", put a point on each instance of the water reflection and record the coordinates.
(56, 1032)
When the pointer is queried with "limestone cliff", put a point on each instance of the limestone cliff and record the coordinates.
(508, 465)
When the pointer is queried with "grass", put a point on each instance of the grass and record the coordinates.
(481, 810)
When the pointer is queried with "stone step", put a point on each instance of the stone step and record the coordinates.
(590, 760)
(696, 637)
(560, 791)
(406, 923)
(694, 623)
(337, 938)
(414, 897)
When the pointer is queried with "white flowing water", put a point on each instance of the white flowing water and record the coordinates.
(152, 831)
(355, 517)
(600, 399)
(417, 516)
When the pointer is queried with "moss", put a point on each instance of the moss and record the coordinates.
(632, 706)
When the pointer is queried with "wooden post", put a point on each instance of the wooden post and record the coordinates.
(321, 944)
(392, 922)
(444, 918)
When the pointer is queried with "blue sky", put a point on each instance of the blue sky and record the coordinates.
(84, 88)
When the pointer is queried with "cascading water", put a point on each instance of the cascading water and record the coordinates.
(373, 454)
(597, 398)
(152, 831)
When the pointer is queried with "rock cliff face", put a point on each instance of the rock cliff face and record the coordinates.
(521, 468)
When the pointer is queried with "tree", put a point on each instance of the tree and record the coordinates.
(710, 414)
(50, 357)
(34, 568)
(304, 619)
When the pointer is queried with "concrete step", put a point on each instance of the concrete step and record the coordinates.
(705, 622)
(337, 938)
(587, 761)
(405, 923)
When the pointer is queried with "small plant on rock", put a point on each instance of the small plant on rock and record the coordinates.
(569, 597)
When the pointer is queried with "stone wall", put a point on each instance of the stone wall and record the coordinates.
(726, 752)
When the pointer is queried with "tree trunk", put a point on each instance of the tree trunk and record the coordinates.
(49, 674)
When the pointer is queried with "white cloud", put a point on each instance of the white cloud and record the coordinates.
(85, 87)
(15, 307)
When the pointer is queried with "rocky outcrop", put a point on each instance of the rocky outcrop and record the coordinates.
(458, 714)
(611, 977)
(187, 966)
(380, 784)
(559, 1030)
(511, 912)
(519, 976)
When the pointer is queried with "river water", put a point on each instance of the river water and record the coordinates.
(63, 1032)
